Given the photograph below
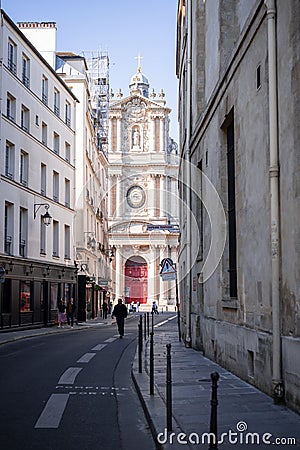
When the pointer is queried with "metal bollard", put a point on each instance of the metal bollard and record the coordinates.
(140, 349)
(213, 415)
(145, 328)
(151, 364)
(148, 331)
(169, 389)
(152, 326)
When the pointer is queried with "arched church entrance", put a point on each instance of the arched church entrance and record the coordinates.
(136, 280)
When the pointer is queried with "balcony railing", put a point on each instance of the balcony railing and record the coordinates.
(8, 245)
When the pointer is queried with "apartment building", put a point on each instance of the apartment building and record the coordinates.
(37, 129)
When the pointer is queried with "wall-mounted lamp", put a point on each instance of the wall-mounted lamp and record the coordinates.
(46, 217)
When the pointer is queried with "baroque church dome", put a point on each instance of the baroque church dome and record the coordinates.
(139, 83)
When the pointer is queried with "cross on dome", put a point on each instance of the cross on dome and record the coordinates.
(139, 57)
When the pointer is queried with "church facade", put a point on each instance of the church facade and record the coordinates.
(142, 195)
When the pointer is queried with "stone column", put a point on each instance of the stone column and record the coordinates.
(161, 134)
(151, 196)
(118, 272)
(162, 196)
(118, 196)
(162, 284)
(151, 134)
(119, 135)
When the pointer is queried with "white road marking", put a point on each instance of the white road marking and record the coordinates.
(53, 411)
(165, 321)
(99, 347)
(68, 377)
(86, 358)
(112, 339)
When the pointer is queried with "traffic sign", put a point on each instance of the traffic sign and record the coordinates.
(167, 268)
(168, 276)
(172, 228)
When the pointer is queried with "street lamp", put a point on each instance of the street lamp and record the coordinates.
(46, 217)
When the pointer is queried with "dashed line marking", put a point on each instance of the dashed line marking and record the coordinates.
(68, 377)
(53, 411)
(86, 358)
(99, 347)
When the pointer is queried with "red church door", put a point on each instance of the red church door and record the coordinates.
(136, 280)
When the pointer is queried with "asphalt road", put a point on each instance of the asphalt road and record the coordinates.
(72, 390)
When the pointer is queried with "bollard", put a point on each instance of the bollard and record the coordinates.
(141, 324)
(213, 415)
(140, 346)
(148, 331)
(151, 364)
(169, 389)
(152, 326)
(145, 328)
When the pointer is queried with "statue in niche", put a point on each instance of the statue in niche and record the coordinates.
(135, 137)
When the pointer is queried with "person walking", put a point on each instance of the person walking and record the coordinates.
(61, 313)
(104, 310)
(155, 308)
(71, 312)
(120, 313)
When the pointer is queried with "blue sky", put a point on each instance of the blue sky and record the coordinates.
(124, 28)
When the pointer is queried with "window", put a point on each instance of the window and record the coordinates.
(24, 164)
(68, 152)
(56, 102)
(68, 114)
(231, 211)
(55, 186)
(25, 71)
(42, 237)
(45, 90)
(258, 77)
(44, 133)
(56, 143)
(12, 57)
(25, 118)
(8, 228)
(9, 160)
(23, 232)
(11, 107)
(26, 298)
(67, 192)
(67, 242)
(55, 238)
(43, 178)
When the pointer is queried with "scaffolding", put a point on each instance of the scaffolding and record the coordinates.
(98, 76)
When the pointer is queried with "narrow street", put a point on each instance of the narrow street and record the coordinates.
(72, 390)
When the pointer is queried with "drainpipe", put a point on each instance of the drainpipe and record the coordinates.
(188, 173)
(274, 194)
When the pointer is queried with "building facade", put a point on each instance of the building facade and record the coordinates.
(238, 71)
(142, 191)
(91, 243)
(37, 128)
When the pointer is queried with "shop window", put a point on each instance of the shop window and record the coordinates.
(25, 296)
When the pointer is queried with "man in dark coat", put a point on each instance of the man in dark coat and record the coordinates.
(120, 312)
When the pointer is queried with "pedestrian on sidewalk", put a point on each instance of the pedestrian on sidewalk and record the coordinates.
(61, 313)
(120, 313)
(155, 308)
(71, 312)
(104, 310)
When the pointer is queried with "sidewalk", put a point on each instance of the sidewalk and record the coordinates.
(249, 418)
(10, 336)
